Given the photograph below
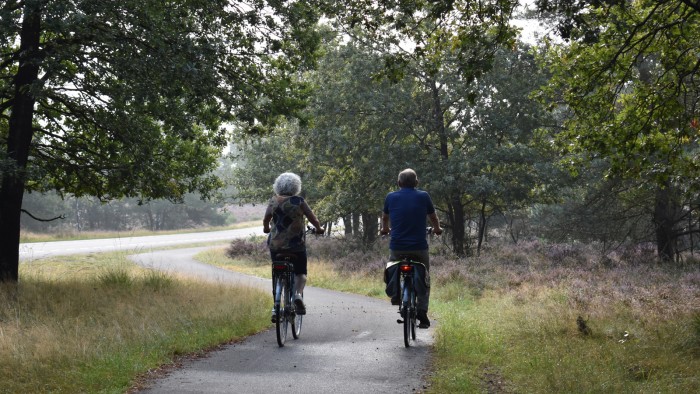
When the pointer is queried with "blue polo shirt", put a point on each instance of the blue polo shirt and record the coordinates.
(408, 209)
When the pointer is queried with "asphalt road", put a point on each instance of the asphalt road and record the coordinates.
(38, 250)
(348, 344)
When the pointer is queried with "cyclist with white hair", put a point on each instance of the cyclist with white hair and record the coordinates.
(286, 211)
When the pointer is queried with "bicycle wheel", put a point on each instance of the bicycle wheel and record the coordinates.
(407, 313)
(281, 306)
(296, 323)
(414, 314)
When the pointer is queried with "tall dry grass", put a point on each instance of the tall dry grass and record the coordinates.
(565, 318)
(538, 317)
(95, 323)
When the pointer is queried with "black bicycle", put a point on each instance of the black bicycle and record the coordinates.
(408, 308)
(284, 312)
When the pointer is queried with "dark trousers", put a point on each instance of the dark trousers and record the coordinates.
(423, 257)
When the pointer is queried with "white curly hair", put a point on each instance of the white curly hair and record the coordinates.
(287, 184)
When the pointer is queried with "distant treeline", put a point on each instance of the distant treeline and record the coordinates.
(89, 214)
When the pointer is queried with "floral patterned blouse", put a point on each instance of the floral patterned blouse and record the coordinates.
(287, 227)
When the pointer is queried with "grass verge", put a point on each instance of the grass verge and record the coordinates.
(95, 323)
(535, 318)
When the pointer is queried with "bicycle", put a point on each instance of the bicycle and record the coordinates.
(408, 307)
(284, 311)
(283, 289)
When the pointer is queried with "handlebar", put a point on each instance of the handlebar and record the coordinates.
(312, 230)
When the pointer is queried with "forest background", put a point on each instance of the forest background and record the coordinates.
(586, 132)
(564, 169)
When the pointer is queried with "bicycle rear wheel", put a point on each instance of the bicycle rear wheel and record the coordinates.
(407, 315)
(414, 314)
(281, 301)
(296, 324)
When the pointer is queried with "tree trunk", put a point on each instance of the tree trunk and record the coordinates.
(347, 220)
(482, 227)
(665, 214)
(19, 141)
(356, 224)
(456, 218)
(369, 228)
(454, 202)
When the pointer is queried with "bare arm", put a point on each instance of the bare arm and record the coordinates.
(266, 222)
(312, 219)
(436, 223)
(384, 228)
(266, 219)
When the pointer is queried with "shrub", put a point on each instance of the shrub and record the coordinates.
(253, 248)
(116, 277)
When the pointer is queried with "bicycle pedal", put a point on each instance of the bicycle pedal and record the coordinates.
(399, 321)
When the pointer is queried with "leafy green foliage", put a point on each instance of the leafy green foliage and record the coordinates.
(128, 98)
(132, 94)
(634, 97)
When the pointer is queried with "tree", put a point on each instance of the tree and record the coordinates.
(445, 46)
(127, 98)
(361, 136)
(357, 140)
(506, 146)
(629, 78)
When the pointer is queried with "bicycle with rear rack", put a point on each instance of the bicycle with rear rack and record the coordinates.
(408, 309)
(407, 297)
(284, 313)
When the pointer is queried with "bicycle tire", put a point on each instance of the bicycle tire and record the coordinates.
(296, 322)
(281, 307)
(407, 314)
(414, 314)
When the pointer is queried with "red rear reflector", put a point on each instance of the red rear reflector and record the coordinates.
(280, 267)
(406, 268)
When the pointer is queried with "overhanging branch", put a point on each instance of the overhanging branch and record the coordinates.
(63, 216)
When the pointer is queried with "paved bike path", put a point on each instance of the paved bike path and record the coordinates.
(348, 344)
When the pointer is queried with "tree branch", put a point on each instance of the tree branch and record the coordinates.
(62, 216)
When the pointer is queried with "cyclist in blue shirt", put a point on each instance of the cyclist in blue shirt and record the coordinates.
(407, 209)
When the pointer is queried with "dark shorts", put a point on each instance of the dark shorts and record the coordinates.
(299, 260)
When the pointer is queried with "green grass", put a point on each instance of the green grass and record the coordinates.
(518, 322)
(528, 340)
(320, 273)
(96, 323)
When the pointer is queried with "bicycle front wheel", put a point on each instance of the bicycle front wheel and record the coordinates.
(281, 301)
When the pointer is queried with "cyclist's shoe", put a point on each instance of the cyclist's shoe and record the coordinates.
(299, 305)
(423, 319)
(396, 300)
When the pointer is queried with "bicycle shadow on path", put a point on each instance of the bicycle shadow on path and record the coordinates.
(348, 344)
